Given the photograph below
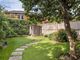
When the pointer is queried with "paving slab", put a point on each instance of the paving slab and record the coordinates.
(23, 47)
(19, 50)
(28, 45)
(15, 58)
(17, 53)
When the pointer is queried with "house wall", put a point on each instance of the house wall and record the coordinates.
(16, 16)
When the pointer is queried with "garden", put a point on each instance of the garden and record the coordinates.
(17, 44)
(15, 33)
(50, 47)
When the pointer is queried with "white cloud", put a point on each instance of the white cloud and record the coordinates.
(11, 4)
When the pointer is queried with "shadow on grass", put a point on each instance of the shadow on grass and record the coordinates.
(45, 51)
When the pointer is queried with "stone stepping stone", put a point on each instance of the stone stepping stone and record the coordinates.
(19, 50)
(28, 45)
(34, 43)
(16, 53)
(15, 58)
(23, 47)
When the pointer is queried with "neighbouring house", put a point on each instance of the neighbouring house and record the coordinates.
(18, 15)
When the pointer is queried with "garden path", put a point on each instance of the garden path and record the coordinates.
(17, 54)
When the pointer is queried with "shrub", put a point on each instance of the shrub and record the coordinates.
(2, 34)
(61, 35)
(74, 34)
(20, 27)
(13, 28)
(53, 36)
(10, 33)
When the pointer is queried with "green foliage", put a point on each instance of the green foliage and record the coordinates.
(2, 24)
(12, 28)
(17, 27)
(55, 19)
(61, 36)
(74, 34)
(10, 33)
(2, 34)
(33, 21)
(53, 7)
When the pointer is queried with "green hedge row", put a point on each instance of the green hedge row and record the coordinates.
(13, 28)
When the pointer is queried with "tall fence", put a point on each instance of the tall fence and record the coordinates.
(52, 27)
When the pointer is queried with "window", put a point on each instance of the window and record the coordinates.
(20, 16)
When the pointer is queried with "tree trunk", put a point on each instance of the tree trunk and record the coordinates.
(66, 17)
(72, 44)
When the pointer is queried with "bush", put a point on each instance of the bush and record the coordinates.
(74, 34)
(2, 34)
(61, 35)
(13, 28)
(53, 36)
(20, 27)
(10, 33)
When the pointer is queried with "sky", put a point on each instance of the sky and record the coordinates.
(11, 5)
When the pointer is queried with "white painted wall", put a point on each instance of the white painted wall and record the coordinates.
(52, 27)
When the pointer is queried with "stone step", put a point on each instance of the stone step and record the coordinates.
(16, 53)
(15, 58)
(19, 50)
(28, 45)
(34, 43)
(23, 47)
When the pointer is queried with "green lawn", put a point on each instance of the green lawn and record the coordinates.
(13, 43)
(45, 50)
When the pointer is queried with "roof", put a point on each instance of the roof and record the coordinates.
(18, 12)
